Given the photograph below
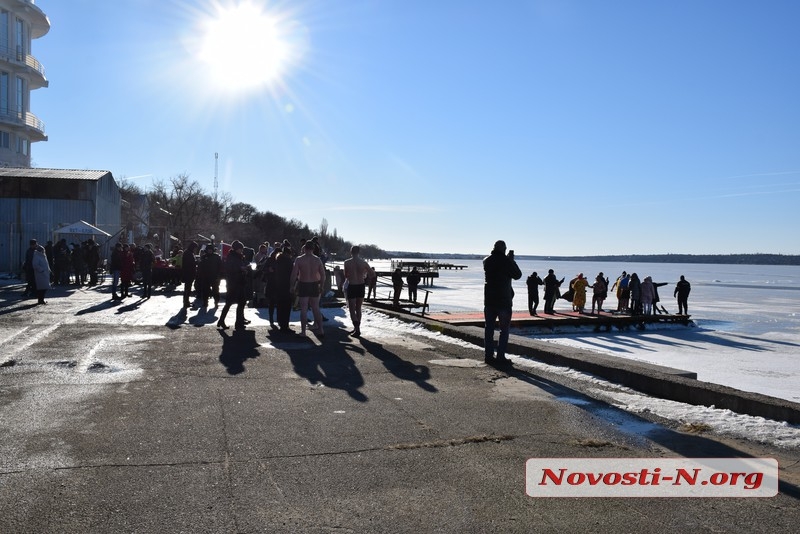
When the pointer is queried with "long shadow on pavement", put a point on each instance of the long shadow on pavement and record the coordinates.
(238, 347)
(328, 364)
(402, 369)
(106, 304)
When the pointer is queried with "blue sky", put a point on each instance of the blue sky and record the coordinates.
(564, 127)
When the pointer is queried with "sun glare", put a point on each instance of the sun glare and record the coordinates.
(244, 47)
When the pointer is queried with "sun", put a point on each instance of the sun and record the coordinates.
(243, 47)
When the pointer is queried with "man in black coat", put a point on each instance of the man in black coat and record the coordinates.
(284, 262)
(30, 277)
(188, 271)
(533, 282)
(236, 279)
(551, 285)
(682, 289)
(208, 273)
(146, 261)
(92, 260)
(498, 295)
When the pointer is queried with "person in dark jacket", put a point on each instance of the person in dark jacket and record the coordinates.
(533, 282)
(146, 261)
(236, 279)
(208, 274)
(116, 269)
(188, 271)
(284, 262)
(656, 298)
(397, 286)
(413, 279)
(498, 296)
(30, 276)
(270, 289)
(92, 260)
(635, 285)
(682, 289)
(551, 285)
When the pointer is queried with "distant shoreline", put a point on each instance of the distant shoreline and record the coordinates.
(728, 259)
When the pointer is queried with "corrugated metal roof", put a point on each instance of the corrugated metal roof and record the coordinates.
(56, 174)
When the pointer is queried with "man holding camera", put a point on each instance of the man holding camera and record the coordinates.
(498, 296)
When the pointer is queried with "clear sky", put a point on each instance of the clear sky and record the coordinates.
(564, 127)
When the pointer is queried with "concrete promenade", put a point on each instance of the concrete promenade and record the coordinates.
(135, 417)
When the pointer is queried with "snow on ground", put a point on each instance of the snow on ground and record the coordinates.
(376, 325)
(740, 340)
(747, 320)
(767, 364)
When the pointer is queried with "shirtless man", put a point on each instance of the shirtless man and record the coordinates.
(356, 271)
(309, 273)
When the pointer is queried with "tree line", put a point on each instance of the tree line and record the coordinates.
(728, 259)
(181, 207)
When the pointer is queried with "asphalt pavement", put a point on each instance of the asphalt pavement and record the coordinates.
(143, 417)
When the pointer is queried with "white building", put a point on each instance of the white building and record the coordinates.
(40, 203)
(21, 21)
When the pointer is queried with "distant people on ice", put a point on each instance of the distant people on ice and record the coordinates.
(397, 286)
(499, 270)
(533, 282)
(599, 292)
(635, 287)
(551, 291)
(578, 287)
(622, 291)
(413, 279)
(682, 289)
(648, 292)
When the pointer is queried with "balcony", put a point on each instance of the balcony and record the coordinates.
(40, 24)
(28, 122)
(28, 63)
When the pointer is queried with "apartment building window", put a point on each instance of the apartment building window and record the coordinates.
(5, 140)
(20, 96)
(22, 146)
(4, 93)
(20, 39)
(4, 30)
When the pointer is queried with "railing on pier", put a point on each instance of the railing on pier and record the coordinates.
(384, 296)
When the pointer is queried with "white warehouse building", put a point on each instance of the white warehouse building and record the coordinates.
(41, 204)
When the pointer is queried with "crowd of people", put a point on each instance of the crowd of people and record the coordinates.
(284, 276)
(276, 276)
(59, 264)
(634, 296)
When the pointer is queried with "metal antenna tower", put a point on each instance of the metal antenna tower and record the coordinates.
(216, 170)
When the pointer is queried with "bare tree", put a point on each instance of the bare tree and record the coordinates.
(180, 207)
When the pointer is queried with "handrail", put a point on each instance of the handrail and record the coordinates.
(13, 55)
(389, 285)
(23, 118)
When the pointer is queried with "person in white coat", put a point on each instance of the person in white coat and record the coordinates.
(648, 293)
(41, 272)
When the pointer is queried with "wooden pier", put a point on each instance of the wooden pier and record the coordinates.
(602, 322)
(449, 266)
